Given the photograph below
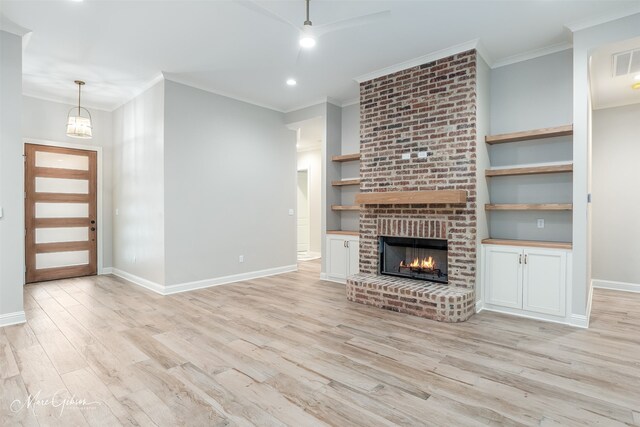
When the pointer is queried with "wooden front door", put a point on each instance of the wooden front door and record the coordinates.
(60, 213)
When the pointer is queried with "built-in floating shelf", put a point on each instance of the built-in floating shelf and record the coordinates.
(530, 170)
(529, 207)
(412, 197)
(345, 207)
(346, 157)
(530, 134)
(344, 232)
(529, 243)
(345, 182)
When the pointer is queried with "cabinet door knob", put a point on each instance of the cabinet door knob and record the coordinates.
(520, 259)
(525, 258)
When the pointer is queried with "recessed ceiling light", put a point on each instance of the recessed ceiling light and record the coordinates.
(291, 82)
(307, 41)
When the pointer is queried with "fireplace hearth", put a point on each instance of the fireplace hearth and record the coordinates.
(414, 258)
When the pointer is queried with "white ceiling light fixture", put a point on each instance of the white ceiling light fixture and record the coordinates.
(307, 40)
(291, 82)
(79, 124)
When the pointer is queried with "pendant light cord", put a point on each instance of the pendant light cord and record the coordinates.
(79, 91)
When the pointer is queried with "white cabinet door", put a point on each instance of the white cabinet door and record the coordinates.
(503, 276)
(544, 284)
(336, 257)
(353, 250)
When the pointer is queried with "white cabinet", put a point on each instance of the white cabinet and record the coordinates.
(343, 254)
(526, 279)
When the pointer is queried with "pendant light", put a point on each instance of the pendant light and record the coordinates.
(79, 119)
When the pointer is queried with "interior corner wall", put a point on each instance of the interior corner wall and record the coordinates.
(584, 42)
(45, 121)
(230, 180)
(483, 121)
(11, 179)
(138, 186)
(615, 220)
(311, 160)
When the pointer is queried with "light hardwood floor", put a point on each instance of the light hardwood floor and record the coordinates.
(290, 350)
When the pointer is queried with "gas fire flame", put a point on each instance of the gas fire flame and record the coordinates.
(425, 263)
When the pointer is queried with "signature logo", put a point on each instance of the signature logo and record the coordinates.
(58, 400)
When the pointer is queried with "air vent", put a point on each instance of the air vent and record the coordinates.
(626, 63)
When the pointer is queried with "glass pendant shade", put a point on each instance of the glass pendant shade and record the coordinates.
(79, 126)
(79, 119)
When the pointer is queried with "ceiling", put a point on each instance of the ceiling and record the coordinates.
(607, 90)
(118, 47)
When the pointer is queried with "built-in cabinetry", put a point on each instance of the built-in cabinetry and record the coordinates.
(342, 256)
(345, 183)
(562, 167)
(527, 280)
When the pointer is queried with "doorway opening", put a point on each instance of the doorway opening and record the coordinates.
(309, 188)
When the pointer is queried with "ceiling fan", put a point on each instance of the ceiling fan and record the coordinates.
(310, 33)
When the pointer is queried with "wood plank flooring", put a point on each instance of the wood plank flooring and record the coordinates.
(290, 350)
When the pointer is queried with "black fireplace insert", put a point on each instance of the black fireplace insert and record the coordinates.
(423, 259)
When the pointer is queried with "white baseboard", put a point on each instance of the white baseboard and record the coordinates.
(333, 279)
(616, 286)
(12, 318)
(140, 281)
(571, 320)
(200, 284)
(106, 270)
(190, 286)
(579, 320)
(479, 306)
(323, 276)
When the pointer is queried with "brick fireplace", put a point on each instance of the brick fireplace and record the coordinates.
(428, 111)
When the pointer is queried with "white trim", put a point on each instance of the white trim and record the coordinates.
(99, 196)
(430, 57)
(579, 321)
(611, 16)
(136, 280)
(136, 92)
(479, 306)
(200, 284)
(12, 318)
(190, 286)
(531, 54)
(535, 316)
(333, 279)
(106, 270)
(325, 100)
(350, 102)
(615, 286)
(67, 102)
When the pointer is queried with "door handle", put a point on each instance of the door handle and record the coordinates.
(525, 258)
(93, 229)
(520, 259)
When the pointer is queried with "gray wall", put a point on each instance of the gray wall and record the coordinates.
(528, 95)
(230, 179)
(11, 176)
(483, 118)
(45, 120)
(138, 190)
(616, 200)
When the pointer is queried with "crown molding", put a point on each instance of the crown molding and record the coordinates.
(531, 54)
(350, 102)
(66, 102)
(602, 19)
(430, 57)
(143, 88)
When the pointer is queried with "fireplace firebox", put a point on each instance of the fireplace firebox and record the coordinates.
(423, 259)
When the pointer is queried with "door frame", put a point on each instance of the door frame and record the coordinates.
(308, 207)
(99, 218)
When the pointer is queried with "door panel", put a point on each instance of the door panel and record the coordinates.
(337, 261)
(60, 212)
(503, 272)
(354, 257)
(545, 281)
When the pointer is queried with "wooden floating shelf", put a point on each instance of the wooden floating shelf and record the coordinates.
(346, 157)
(529, 207)
(345, 207)
(530, 134)
(530, 170)
(531, 243)
(344, 232)
(345, 182)
(412, 197)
